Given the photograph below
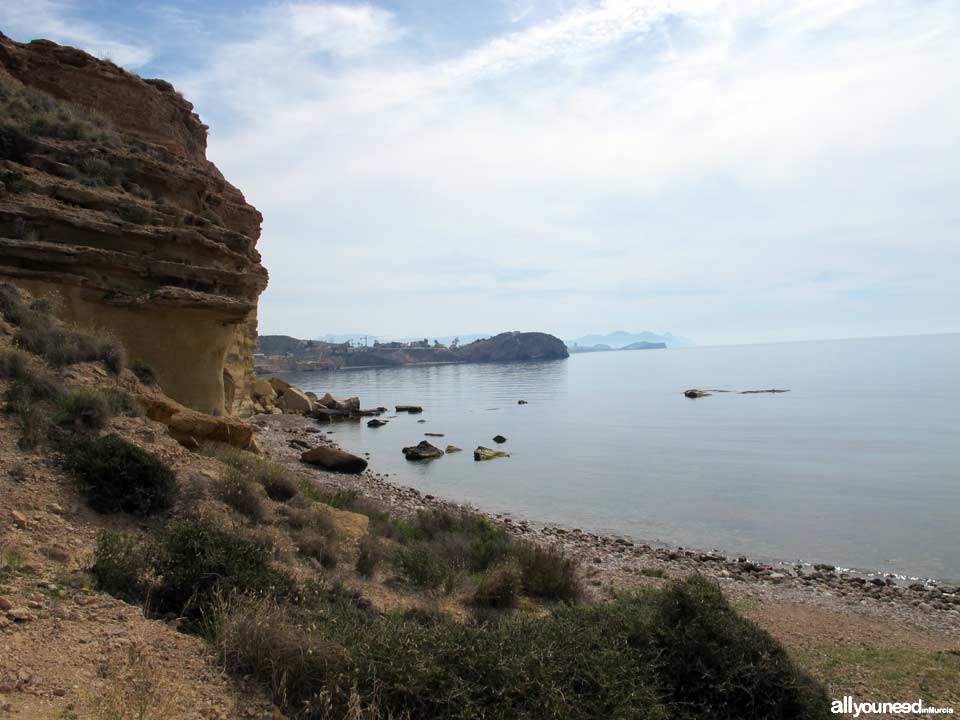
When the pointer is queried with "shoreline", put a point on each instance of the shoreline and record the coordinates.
(613, 561)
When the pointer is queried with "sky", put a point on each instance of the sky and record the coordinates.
(731, 172)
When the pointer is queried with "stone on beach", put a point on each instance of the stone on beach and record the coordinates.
(335, 459)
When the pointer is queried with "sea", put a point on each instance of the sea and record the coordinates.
(858, 465)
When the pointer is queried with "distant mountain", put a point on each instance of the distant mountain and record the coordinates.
(644, 345)
(621, 339)
(514, 346)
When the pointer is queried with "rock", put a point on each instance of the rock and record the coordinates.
(294, 401)
(499, 439)
(190, 427)
(332, 403)
(522, 402)
(5, 604)
(422, 451)
(297, 444)
(55, 509)
(19, 519)
(823, 567)
(757, 392)
(279, 386)
(58, 553)
(330, 458)
(263, 390)
(453, 449)
(433, 434)
(20, 614)
(483, 453)
(377, 422)
(176, 281)
(413, 409)
(694, 393)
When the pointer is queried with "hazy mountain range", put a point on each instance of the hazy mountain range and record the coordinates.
(621, 339)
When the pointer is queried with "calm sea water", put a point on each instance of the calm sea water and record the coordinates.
(859, 465)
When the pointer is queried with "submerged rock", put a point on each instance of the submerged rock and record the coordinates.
(432, 434)
(376, 422)
(757, 392)
(422, 451)
(409, 408)
(694, 393)
(335, 459)
(453, 449)
(484, 453)
(499, 439)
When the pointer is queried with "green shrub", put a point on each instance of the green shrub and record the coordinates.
(117, 476)
(369, 556)
(241, 494)
(11, 303)
(144, 372)
(548, 573)
(122, 564)
(712, 659)
(279, 482)
(28, 384)
(13, 181)
(34, 113)
(499, 587)
(122, 403)
(83, 410)
(34, 423)
(184, 567)
(578, 663)
(421, 564)
(41, 335)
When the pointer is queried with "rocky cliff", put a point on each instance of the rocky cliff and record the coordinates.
(109, 207)
(514, 346)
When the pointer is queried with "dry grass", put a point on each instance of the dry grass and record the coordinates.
(134, 689)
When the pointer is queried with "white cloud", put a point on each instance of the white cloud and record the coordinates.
(611, 161)
(53, 20)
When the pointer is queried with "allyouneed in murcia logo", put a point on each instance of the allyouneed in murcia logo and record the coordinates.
(847, 706)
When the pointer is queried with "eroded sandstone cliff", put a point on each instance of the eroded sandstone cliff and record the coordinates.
(109, 206)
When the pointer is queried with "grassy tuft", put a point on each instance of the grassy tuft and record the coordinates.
(242, 494)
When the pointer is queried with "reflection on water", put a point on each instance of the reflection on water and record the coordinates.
(855, 466)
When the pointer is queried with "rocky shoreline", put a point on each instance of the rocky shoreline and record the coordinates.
(612, 561)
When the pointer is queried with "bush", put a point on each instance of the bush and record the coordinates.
(117, 476)
(11, 303)
(183, 568)
(279, 482)
(369, 556)
(34, 422)
(83, 410)
(423, 566)
(41, 335)
(548, 573)
(499, 587)
(577, 663)
(711, 658)
(28, 384)
(121, 402)
(318, 546)
(241, 494)
(144, 372)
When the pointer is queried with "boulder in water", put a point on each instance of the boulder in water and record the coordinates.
(422, 451)
(499, 439)
(484, 453)
(694, 393)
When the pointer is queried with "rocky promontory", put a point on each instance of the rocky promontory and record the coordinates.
(110, 210)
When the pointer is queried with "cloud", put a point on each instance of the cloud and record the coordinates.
(58, 21)
(728, 170)
(611, 154)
